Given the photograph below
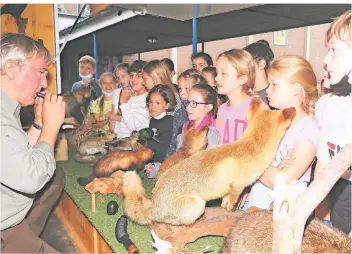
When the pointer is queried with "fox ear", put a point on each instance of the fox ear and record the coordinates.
(288, 113)
(255, 106)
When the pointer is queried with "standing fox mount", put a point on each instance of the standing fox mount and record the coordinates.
(181, 192)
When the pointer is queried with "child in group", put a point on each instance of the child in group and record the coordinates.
(292, 84)
(132, 101)
(86, 69)
(262, 55)
(155, 72)
(160, 99)
(171, 67)
(201, 60)
(103, 107)
(186, 80)
(201, 107)
(333, 114)
(209, 73)
(121, 72)
(235, 78)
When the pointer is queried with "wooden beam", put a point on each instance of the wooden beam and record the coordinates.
(83, 234)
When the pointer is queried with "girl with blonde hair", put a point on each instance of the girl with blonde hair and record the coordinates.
(292, 84)
(235, 79)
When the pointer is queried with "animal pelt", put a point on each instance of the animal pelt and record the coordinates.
(193, 142)
(253, 233)
(180, 194)
(118, 160)
(94, 144)
(76, 105)
(125, 144)
(85, 130)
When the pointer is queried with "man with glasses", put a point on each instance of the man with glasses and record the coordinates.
(30, 183)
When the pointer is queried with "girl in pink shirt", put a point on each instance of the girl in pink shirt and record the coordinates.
(236, 74)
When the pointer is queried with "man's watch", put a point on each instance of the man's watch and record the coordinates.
(37, 126)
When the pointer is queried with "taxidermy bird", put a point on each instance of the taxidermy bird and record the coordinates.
(16, 10)
(147, 134)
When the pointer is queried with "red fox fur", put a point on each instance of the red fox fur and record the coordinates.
(180, 193)
(118, 160)
(194, 141)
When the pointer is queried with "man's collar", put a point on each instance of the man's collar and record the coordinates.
(11, 104)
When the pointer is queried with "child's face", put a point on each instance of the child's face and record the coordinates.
(227, 79)
(85, 68)
(338, 59)
(157, 105)
(199, 112)
(199, 63)
(209, 78)
(136, 82)
(122, 77)
(281, 93)
(183, 87)
(148, 81)
(108, 84)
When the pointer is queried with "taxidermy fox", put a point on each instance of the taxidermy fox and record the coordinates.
(118, 160)
(194, 141)
(253, 233)
(180, 193)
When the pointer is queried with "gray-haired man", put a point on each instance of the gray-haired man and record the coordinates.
(30, 183)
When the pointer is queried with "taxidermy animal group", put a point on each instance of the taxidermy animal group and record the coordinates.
(253, 233)
(87, 129)
(181, 192)
(77, 102)
(95, 144)
(118, 160)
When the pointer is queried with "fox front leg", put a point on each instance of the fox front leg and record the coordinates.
(229, 201)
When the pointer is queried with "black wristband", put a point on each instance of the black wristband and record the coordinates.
(37, 126)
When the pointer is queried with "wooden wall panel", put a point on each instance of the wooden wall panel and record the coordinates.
(38, 23)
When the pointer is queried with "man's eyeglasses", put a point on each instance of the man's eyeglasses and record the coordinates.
(194, 104)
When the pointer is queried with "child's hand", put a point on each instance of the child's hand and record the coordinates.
(148, 169)
(126, 94)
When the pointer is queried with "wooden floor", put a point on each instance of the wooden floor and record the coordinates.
(85, 236)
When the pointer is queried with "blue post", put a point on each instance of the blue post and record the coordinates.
(194, 27)
(95, 52)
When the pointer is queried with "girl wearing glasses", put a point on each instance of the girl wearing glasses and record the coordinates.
(236, 74)
(201, 108)
(160, 99)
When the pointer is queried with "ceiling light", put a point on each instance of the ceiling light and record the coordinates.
(152, 39)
